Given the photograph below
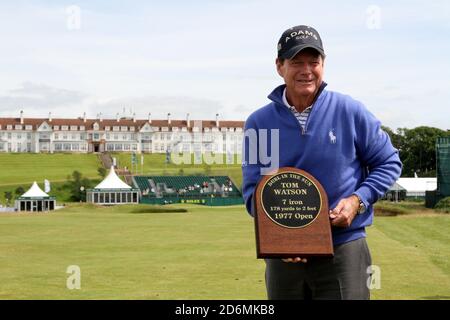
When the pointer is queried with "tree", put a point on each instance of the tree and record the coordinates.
(77, 186)
(418, 150)
(102, 172)
(19, 191)
(8, 197)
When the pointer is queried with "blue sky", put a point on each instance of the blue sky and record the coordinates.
(208, 57)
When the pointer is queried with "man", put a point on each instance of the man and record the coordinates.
(338, 141)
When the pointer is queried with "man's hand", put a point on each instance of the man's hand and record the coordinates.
(345, 211)
(295, 260)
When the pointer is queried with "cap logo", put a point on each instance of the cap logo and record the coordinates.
(301, 34)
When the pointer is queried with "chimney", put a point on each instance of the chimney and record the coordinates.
(49, 117)
(100, 117)
(149, 117)
(84, 116)
(117, 117)
(134, 117)
(21, 116)
(187, 121)
(217, 120)
(168, 118)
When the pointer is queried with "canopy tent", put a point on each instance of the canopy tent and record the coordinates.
(112, 190)
(416, 187)
(395, 193)
(35, 200)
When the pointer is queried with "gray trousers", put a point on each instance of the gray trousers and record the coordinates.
(341, 277)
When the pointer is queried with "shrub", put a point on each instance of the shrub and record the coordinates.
(443, 205)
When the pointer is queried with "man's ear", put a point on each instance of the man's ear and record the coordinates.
(279, 65)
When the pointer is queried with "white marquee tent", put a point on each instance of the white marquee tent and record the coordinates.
(112, 190)
(35, 200)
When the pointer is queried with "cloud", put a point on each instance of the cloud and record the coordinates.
(160, 106)
(36, 99)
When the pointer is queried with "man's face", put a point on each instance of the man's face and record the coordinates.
(303, 73)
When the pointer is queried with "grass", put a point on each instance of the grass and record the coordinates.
(154, 164)
(205, 253)
(389, 208)
(19, 168)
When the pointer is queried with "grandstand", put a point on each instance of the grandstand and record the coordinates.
(207, 190)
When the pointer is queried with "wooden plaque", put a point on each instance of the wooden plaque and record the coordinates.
(291, 216)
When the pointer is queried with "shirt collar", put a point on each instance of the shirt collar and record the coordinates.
(286, 103)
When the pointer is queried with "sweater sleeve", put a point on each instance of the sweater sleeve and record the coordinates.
(378, 155)
(250, 164)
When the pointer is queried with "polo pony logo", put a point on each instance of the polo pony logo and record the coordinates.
(332, 136)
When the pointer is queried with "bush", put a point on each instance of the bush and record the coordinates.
(443, 205)
(383, 208)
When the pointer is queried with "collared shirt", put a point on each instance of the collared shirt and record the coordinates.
(301, 116)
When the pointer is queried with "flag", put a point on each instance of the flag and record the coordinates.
(46, 185)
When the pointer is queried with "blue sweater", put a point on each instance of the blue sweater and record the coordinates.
(342, 146)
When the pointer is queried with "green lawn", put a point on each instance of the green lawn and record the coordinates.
(155, 164)
(19, 168)
(205, 253)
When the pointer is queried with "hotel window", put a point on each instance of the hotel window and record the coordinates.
(116, 137)
(29, 136)
(18, 127)
(64, 128)
(110, 147)
(134, 147)
(116, 128)
(74, 136)
(64, 136)
(19, 136)
(73, 128)
(107, 128)
(124, 137)
(58, 146)
(9, 127)
(132, 129)
(75, 146)
(126, 147)
(107, 136)
(82, 128)
(66, 146)
(123, 128)
(55, 127)
(9, 135)
(28, 147)
(28, 127)
(56, 136)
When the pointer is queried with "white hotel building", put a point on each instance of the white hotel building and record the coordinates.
(123, 134)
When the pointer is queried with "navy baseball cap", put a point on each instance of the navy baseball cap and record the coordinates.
(295, 39)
